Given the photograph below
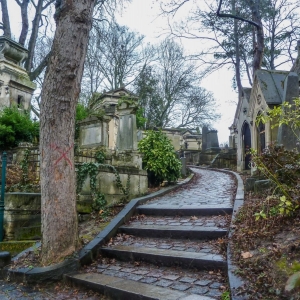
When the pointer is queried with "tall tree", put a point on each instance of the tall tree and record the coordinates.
(116, 53)
(169, 90)
(60, 93)
(272, 26)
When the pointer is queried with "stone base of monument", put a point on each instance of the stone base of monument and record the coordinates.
(133, 179)
(22, 216)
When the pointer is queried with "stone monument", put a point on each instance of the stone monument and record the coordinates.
(16, 88)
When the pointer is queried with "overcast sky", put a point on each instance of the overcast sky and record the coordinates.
(143, 16)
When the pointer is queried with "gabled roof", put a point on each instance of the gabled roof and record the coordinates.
(122, 91)
(272, 85)
(247, 93)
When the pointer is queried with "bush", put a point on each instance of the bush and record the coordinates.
(16, 127)
(159, 158)
(282, 168)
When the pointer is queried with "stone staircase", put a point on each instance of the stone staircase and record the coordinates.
(167, 251)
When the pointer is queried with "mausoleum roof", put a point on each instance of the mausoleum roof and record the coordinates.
(272, 85)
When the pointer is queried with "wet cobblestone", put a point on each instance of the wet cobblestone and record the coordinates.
(210, 188)
(188, 280)
(213, 188)
(170, 244)
(206, 221)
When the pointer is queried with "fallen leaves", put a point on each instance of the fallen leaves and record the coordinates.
(246, 255)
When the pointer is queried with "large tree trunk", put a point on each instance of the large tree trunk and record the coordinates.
(60, 93)
(237, 54)
(5, 19)
(259, 47)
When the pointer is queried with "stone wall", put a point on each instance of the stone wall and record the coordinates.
(106, 184)
(22, 216)
(214, 159)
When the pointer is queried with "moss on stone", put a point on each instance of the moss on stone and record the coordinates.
(15, 247)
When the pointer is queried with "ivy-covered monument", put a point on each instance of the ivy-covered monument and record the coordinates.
(111, 130)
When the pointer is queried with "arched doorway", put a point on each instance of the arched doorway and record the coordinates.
(261, 137)
(246, 134)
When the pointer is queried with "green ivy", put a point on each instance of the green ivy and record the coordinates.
(159, 158)
(100, 156)
(92, 170)
(24, 185)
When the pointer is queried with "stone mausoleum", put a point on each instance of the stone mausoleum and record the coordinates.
(113, 129)
(270, 88)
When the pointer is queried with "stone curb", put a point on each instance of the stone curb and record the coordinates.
(86, 254)
(235, 282)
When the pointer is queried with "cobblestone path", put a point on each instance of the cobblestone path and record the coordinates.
(179, 238)
(173, 248)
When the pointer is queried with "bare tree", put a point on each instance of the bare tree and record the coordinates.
(196, 109)
(261, 33)
(169, 90)
(116, 53)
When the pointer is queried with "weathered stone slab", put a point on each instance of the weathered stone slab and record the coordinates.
(261, 185)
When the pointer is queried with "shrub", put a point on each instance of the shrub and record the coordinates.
(159, 158)
(283, 169)
(16, 127)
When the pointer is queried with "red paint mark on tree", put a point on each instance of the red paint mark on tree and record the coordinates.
(63, 154)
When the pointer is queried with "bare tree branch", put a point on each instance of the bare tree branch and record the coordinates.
(221, 15)
(34, 74)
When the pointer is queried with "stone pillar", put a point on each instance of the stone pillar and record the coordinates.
(183, 166)
(231, 145)
(204, 137)
(285, 136)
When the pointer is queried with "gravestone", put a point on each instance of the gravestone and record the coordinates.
(212, 141)
(127, 132)
(93, 132)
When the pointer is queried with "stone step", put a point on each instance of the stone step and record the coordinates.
(166, 257)
(172, 231)
(118, 288)
(184, 210)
